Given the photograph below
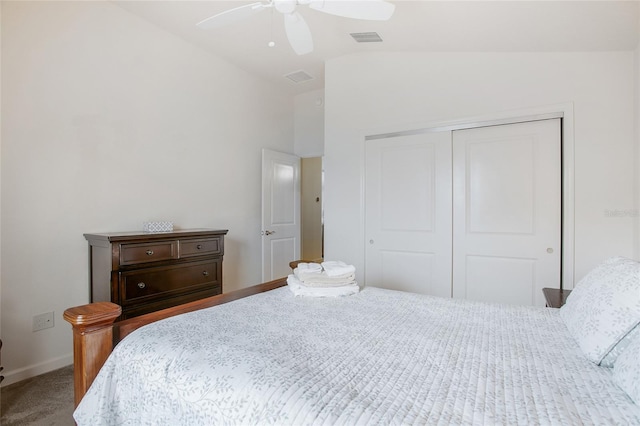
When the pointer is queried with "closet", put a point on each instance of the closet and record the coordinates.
(472, 213)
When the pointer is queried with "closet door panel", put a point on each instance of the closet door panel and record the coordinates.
(509, 280)
(500, 193)
(408, 213)
(507, 212)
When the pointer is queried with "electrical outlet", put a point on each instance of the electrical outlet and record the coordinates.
(42, 321)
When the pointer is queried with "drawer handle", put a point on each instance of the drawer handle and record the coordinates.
(149, 252)
(205, 273)
(199, 246)
(141, 285)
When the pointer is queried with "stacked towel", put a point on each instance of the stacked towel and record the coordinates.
(328, 279)
(334, 268)
(306, 271)
(298, 288)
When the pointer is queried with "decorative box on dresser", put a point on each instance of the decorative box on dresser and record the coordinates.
(146, 272)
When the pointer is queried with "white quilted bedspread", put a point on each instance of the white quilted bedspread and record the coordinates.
(377, 357)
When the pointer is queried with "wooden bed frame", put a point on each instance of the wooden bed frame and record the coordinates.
(95, 334)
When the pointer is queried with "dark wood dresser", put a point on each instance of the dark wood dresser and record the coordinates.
(146, 272)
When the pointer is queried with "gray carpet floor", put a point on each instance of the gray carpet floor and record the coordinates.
(45, 400)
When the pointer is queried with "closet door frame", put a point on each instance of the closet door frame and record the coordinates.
(562, 111)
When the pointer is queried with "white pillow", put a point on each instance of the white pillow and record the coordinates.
(610, 358)
(604, 308)
(626, 371)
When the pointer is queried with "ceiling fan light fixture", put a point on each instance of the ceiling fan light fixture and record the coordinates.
(285, 6)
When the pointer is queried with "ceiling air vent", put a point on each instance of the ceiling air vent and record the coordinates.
(371, 37)
(299, 76)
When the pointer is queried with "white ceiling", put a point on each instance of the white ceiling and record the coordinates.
(435, 26)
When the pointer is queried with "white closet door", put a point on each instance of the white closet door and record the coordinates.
(507, 217)
(408, 213)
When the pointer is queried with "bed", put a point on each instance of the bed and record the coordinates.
(264, 356)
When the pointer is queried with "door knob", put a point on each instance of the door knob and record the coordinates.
(269, 232)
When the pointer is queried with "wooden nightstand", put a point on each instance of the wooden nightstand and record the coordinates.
(555, 297)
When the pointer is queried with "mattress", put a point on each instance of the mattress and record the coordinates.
(377, 357)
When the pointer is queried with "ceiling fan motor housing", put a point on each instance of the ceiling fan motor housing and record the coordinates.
(285, 6)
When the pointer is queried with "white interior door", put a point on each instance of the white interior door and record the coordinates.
(507, 212)
(280, 213)
(408, 213)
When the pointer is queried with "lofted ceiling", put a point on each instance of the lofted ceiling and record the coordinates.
(418, 25)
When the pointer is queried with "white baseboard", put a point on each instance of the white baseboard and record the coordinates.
(13, 376)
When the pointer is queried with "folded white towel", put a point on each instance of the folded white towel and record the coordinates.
(299, 289)
(309, 267)
(303, 275)
(328, 281)
(320, 278)
(337, 267)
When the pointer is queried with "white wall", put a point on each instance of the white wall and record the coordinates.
(108, 122)
(309, 124)
(372, 93)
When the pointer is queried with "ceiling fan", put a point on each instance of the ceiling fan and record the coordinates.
(297, 30)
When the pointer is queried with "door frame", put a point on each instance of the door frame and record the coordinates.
(563, 111)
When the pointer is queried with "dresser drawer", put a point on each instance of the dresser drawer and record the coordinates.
(205, 246)
(145, 308)
(146, 285)
(148, 252)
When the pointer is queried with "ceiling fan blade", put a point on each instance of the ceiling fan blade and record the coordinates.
(298, 33)
(232, 15)
(373, 10)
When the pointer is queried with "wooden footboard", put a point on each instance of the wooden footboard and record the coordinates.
(95, 334)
